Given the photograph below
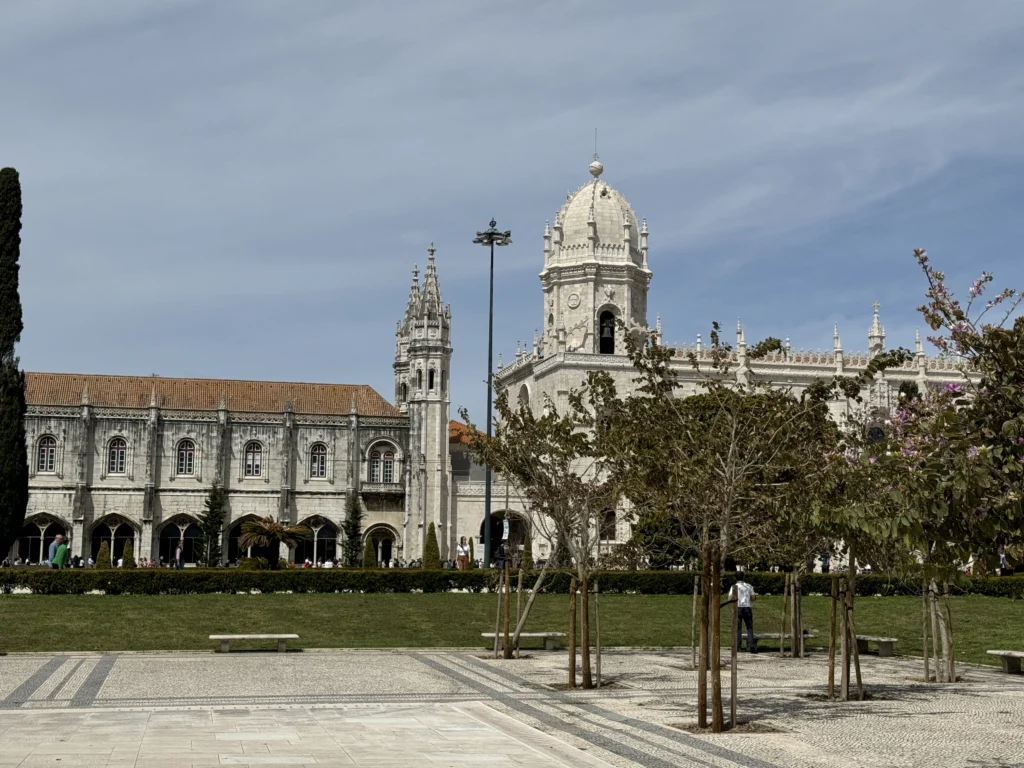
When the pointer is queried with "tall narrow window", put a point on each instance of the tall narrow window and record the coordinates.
(118, 456)
(444, 381)
(405, 393)
(375, 467)
(389, 467)
(608, 525)
(607, 340)
(47, 455)
(430, 380)
(253, 459)
(318, 460)
(186, 457)
(419, 380)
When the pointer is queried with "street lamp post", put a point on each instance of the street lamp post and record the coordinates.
(490, 237)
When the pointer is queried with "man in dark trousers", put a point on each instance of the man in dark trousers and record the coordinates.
(743, 595)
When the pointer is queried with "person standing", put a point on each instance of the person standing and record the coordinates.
(462, 555)
(178, 564)
(743, 594)
(54, 546)
(61, 557)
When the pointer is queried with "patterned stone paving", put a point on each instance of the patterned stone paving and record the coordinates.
(426, 707)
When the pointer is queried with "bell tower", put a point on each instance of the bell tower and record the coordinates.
(595, 270)
(423, 354)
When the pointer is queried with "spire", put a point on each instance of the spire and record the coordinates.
(918, 347)
(876, 334)
(700, 345)
(836, 343)
(740, 341)
(414, 295)
(431, 304)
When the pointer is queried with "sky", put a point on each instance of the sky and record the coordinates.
(240, 189)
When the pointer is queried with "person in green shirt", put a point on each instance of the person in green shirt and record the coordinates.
(61, 559)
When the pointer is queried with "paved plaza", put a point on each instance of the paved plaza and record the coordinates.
(459, 708)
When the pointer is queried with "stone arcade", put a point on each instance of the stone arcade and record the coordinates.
(130, 458)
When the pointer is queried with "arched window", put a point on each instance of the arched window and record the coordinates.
(444, 381)
(186, 457)
(430, 379)
(118, 456)
(608, 525)
(405, 393)
(607, 338)
(253, 459)
(375, 467)
(388, 475)
(318, 460)
(47, 455)
(419, 380)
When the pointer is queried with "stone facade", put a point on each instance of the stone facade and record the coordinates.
(134, 458)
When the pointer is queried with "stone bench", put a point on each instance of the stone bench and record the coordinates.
(885, 644)
(549, 637)
(225, 640)
(1011, 660)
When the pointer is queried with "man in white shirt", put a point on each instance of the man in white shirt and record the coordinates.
(744, 595)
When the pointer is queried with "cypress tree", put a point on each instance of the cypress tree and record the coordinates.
(431, 553)
(211, 523)
(128, 558)
(472, 556)
(527, 560)
(103, 557)
(352, 527)
(369, 558)
(13, 453)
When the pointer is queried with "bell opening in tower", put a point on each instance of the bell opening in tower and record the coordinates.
(607, 333)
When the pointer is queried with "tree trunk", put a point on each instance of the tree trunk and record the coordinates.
(944, 638)
(705, 651)
(853, 644)
(734, 661)
(924, 628)
(832, 642)
(507, 648)
(597, 629)
(785, 603)
(693, 622)
(588, 679)
(940, 667)
(717, 718)
(572, 633)
(844, 645)
(794, 598)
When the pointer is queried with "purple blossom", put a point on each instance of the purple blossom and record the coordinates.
(972, 451)
(954, 388)
(873, 459)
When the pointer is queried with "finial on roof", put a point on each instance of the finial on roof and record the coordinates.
(596, 168)
(352, 405)
(85, 393)
(431, 251)
(415, 273)
(643, 226)
(223, 402)
(547, 227)
(919, 348)
(500, 364)
(835, 337)
(152, 398)
(699, 346)
(657, 323)
(787, 342)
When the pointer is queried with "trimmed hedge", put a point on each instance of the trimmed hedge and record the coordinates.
(164, 581)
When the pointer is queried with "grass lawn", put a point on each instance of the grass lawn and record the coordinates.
(183, 622)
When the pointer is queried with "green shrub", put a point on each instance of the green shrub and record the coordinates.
(103, 556)
(253, 564)
(157, 581)
(431, 553)
(128, 558)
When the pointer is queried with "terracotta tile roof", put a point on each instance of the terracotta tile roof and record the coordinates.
(460, 433)
(204, 394)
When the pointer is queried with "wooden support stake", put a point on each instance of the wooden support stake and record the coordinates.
(734, 664)
(597, 628)
(693, 623)
(497, 616)
(785, 602)
(832, 641)
(572, 633)
(924, 628)
(844, 641)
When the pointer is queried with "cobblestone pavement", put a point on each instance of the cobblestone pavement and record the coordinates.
(436, 708)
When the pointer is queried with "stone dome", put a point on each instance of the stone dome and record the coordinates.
(596, 215)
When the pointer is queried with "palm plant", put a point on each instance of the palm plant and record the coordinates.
(269, 532)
